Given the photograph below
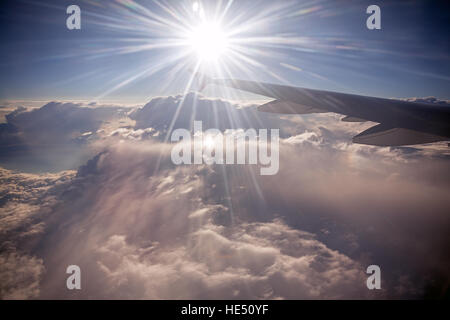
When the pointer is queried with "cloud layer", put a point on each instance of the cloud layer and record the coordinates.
(53, 136)
(140, 227)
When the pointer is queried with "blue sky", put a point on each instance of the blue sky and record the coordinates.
(315, 44)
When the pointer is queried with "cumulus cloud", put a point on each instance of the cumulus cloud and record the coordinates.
(20, 276)
(24, 198)
(429, 100)
(56, 121)
(132, 134)
(53, 136)
(25, 202)
(168, 113)
(141, 227)
(253, 261)
(173, 237)
(306, 137)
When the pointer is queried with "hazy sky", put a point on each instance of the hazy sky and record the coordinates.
(133, 50)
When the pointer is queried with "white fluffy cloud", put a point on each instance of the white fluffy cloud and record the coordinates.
(57, 122)
(140, 227)
(253, 261)
(174, 112)
(53, 137)
(167, 240)
(429, 100)
(25, 202)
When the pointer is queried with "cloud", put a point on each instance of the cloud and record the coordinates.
(20, 276)
(141, 227)
(25, 200)
(57, 122)
(52, 137)
(168, 113)
(307, 136)
(429, 100)
(171, 239)
(254, 261)
(131, 134)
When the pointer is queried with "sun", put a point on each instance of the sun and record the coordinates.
(208, 41)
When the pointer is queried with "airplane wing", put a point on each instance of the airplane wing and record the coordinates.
(400, 122)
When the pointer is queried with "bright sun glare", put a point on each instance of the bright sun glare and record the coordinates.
(223, 39)
(208, 41)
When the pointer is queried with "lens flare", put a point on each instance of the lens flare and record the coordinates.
(208, 41)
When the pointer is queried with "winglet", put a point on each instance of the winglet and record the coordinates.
(385, 136)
